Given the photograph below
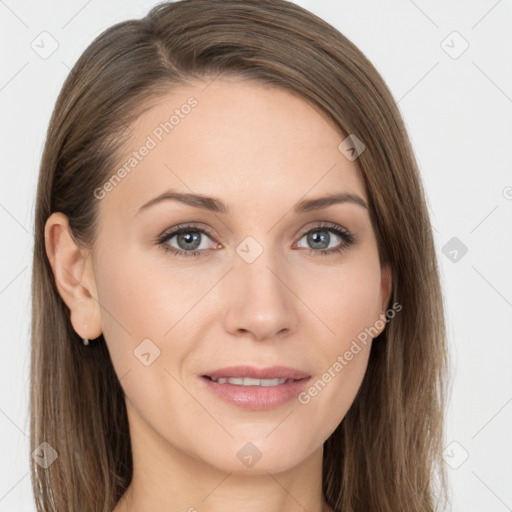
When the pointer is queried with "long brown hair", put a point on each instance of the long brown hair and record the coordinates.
(385, 456)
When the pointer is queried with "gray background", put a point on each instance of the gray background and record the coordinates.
(458, 110)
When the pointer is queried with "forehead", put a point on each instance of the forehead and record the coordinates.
(239, 140)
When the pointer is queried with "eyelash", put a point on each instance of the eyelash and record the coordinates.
(347, 237)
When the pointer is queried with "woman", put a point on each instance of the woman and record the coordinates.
(236, 298)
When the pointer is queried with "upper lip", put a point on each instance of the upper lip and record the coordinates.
(271, 372)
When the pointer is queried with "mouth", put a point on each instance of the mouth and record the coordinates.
(248, 381)
(249, 374)
(256, 389)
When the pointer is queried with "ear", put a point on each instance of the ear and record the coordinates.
(74, 276)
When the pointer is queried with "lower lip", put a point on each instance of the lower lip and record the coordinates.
(257, 398)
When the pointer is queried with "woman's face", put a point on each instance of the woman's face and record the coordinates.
(250, 286)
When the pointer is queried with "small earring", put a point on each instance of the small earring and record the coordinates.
(86, 341)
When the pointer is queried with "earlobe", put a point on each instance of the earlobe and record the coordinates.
(73, 276)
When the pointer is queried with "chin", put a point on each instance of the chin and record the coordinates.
(259, 456)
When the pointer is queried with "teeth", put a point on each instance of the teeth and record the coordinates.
(247, 381)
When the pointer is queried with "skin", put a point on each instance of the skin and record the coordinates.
(259, 150)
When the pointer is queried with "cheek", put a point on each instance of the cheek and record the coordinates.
(349, 304)
(134, 305)
(347, 299)
(147, 300)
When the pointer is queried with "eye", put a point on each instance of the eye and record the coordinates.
(189, 239)
(319, 238)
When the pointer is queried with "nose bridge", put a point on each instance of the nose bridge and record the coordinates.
(259, 301)
(259, 272)
(258, 269)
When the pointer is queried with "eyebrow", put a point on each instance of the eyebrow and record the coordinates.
(215, 205)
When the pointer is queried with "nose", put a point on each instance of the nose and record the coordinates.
(259, 299)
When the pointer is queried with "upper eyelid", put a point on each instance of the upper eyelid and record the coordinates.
(171, 232)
